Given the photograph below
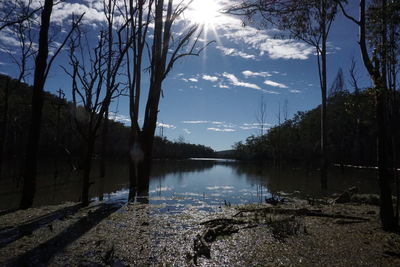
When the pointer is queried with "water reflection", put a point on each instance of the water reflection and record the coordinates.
(201, 183)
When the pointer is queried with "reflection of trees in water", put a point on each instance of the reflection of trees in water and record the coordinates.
(290, 180)
(179, 167)
(68, 183)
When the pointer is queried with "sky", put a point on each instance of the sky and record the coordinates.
(213, 99)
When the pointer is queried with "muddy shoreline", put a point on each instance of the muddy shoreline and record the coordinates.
(293, 233)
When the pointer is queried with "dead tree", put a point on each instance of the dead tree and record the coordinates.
(21, 29)
(42, 68)
(16, 12)
(94, 86)
(165, 51)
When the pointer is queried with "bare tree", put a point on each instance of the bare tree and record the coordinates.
(338, 84)
(22, 31)
(94, 83)
(285, 110)
(42, 69)
(165, 51)
(261, 115)
(16, 12)
(354, 76)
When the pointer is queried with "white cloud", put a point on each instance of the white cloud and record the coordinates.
(186, 131)
(195, 122)
(194, 80)
(218, 122)
(221, 130)
(249, 73)
(252, 126)
(235, 81)
(210, 78)
(63, 11)
(263, 42)
(120, 118)
(164, 125)
(275, 84)
(221, 85)
(294, 91)
(235, 52)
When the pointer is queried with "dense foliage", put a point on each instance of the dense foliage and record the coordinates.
(59, 134)
(351, 136)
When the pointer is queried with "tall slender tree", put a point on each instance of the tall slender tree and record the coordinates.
(309, 21)
(375, 20)
(42, 68)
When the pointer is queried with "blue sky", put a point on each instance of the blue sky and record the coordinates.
(213, 99)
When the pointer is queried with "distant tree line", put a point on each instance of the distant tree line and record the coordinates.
(60, 135)
(351, 136)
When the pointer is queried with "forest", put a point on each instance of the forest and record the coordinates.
(351, 131)
(61, 139)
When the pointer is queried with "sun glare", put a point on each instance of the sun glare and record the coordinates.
(206, 12)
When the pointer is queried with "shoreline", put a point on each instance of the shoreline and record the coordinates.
(140, 234)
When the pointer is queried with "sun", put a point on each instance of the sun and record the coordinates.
(204, 12)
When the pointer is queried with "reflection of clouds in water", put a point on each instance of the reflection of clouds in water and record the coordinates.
(161, 189)
(190, 194)
(220, 187)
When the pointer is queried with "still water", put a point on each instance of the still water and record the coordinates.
(194, 182)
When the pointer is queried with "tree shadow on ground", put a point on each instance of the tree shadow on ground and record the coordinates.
(8, 235)
(41, 255)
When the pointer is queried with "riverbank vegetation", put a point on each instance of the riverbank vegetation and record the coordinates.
(352, 130)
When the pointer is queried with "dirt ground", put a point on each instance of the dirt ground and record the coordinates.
(294, 233)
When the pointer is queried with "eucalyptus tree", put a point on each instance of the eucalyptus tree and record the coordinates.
(42, 68)
(309, 21)
(379, 26)
(167, 47)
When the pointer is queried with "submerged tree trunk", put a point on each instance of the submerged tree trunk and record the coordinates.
(87, 170)
(104, 145)
(30, 168)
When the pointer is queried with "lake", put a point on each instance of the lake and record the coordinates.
(203, 183)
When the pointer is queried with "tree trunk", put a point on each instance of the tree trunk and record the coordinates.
(104, 145)
(386, 208)
(4, 124)
(30, 168)
(87, 169)
(324, 181)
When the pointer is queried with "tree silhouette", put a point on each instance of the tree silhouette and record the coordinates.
(376, 19)
(42, 68)
(165, 51)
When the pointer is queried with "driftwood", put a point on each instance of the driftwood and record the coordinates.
(280, 228)
(215, 228)
(300, 212)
